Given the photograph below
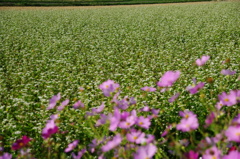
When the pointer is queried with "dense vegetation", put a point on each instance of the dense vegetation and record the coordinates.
(44, 52)
(85, 2)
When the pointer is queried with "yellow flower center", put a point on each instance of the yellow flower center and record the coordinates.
(135, 137)
(238, 133)
(226, 100)
(140, 123)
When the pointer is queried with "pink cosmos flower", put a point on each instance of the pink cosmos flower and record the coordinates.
(63, 104)
(188, 124)
(103, 119)
(195, 89)
(143, 122)
(148, 139)
(202, 60)
(145, 152)
(21, 143)
(113, 143)
(54, 117)
(135, 136)
(71, 146)
(168, 79)
(132, 101)
(233, 133)
(186, 114)
(189, 121)
(210, 119)
(211, 153)
(145, 109)
(108, 87)
(130, 121)
(98, 109)
(228, 72)
(92, 146)
(6, 156)
(232, 155)
(53, 101)
(114, 119)
(174, 97)
(122, 104)
(219, 105)
(191, 155)
(148, 89)
(228, 99)
(79, 154)
(236, 121)
(49, 129)
(78, 104)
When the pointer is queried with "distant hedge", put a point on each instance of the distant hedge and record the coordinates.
(85, 2)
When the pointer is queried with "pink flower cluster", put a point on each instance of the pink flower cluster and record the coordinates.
(108, 87)
(189, 121)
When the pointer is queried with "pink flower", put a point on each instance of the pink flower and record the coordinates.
(98, 109)
(219, 105)
(148, 89)
(211, 153)
(145, 109)
(63, 104)
(191, 155)
(189, 121)
(135, 136)
(78, 104)
(188, 124)
(113, 143)
(145, 152)
(49, 129)
(233, 133)
(186, 114)
(71, 146)
(115, 119)
(6, 156)
(173, 98)
(210, 119)
(21, 143)
(202, 60)
(108, 87)
(236, 121)
(195, 89)
(102, 120)
(130, 121)
(232, 155)
(228, 99)
(143, 122)
(53, 101)
(79, 154)
(169, 78)
(228, 72)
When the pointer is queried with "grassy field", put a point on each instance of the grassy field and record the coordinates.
(44, 52)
